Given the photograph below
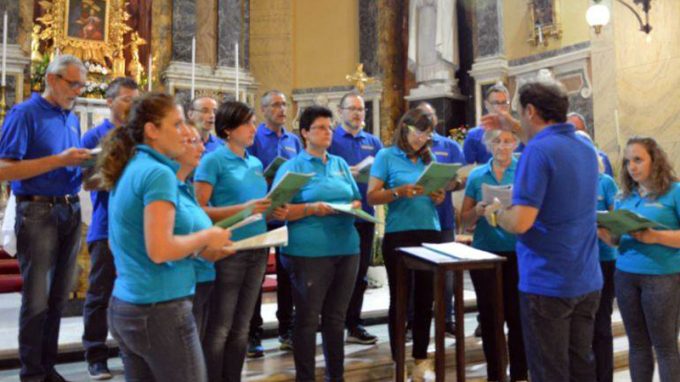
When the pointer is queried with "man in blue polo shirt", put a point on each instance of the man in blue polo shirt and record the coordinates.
(579, 122)
(353, 144)
(446, 150)
(497, 100)
(40, 153)
(554, 214)
(273, 140)
(119, 97)
(202, 113)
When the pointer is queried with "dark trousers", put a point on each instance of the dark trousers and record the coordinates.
(650, 308)
(238, 282)
(603, 340)
(284, 303)
(484, 283)
(322, 286)
(366, 233)
(48, 240)
(158, 342)
(448, 235)
(422, 287)
(558, 336)
(102, 276)
(201, 306)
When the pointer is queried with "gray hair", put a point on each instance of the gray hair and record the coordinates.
(267, 96)
(491, 134)
(63, 61)
(121, 82)
(497, 88)
(579, 116)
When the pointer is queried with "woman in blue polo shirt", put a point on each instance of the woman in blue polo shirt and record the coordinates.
(411, 220)
(229, 180)
(323, 247)
(498, 171)
(647, 279)
(150, 310)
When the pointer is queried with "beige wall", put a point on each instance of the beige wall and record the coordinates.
(517, 26)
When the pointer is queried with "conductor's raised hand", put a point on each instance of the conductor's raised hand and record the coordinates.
(501, 120)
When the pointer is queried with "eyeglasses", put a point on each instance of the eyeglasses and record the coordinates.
(321, 127)
(278, 105)
(72, 84)
(355, 109)
(419, 134)
(499, 103)
(205, 111)
(504, 145)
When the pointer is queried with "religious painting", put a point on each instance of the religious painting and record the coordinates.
(544, 12)
(86, 19)
(544, 21)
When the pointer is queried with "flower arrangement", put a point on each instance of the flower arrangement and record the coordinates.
(459, 133)
(97, 80)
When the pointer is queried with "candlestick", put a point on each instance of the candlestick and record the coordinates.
(193, 67)
(150, 74)
(237, 74)
(4, 50)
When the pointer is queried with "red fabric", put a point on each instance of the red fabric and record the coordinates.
(269, 284)
(10, 283)
(9, 267)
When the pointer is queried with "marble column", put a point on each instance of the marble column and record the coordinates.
(489, 31)
(233, 27)
(368, 36)
(183, 29)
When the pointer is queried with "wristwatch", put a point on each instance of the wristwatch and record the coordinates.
(395, 194)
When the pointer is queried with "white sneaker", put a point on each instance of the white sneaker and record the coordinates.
(423, 371)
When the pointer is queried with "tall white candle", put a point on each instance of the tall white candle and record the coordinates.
(150, 74)
(4, 49)
(618, 131)
(236, 65)
(193, 66)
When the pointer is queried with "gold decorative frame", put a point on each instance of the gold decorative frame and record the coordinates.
(544, 26)
(107, 52)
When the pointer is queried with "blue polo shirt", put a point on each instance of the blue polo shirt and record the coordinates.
(474, 149)
(320, 236)
(235, 180)
(268, 145)
(606, 193)
(393, 167)
(486, 237)
(148, 177)
(354, 149)
(607, 164)
(98, 229)
(35, 129)
(557, 174)
(190, 218)
(446, 150)
(212, 144)
(651, 259)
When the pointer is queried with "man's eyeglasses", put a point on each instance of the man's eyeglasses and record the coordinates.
(278, 105)
(205, 111)
(72, 84)
(355, 109)
(420, 134)
(499, 103)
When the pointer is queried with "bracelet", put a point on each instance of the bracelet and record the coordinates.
(395, 194)
(304, 210)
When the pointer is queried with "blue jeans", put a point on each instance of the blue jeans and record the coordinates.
(558, 336)
(366, 232)
(650, 308)
(237, 286)
(201, 308)
(322, 286)
(102, 276)
(48, 239)
(158, 342)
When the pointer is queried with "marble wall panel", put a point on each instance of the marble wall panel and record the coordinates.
(368, 36)
(233, 27)
(489, 28)
(13, 19)
(183, 28)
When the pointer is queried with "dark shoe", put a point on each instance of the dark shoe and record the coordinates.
(286, 343)
(478, 331)
(360, 336)
(99, 371)
(255, 349)
(53, 376)
(450, 329)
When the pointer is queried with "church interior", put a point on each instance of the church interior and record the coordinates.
(621, 75)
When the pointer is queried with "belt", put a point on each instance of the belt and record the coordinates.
(67, 199)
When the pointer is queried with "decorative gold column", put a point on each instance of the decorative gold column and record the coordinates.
(391, 60)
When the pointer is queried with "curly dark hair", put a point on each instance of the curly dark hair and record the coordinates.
(661, 174)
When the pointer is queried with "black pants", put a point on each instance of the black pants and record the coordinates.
(102, 276)
(603, 341)
(284, 300)
(366, 233)
(484, 283)
(201, 306)
(422, 286)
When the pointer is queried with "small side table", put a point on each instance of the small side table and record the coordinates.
(421, 258)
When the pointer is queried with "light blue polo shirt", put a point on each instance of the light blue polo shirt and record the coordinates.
(35, 129)
(320, 236)
(354, 149)
(557, 174)
(446, 150)
(235, 180)
(651, 259)
(393, 167)
(148, 177)
(268, 145)
(606, 193)
(190, 218)
(486, 237)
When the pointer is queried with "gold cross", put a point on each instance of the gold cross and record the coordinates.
(360, 79)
